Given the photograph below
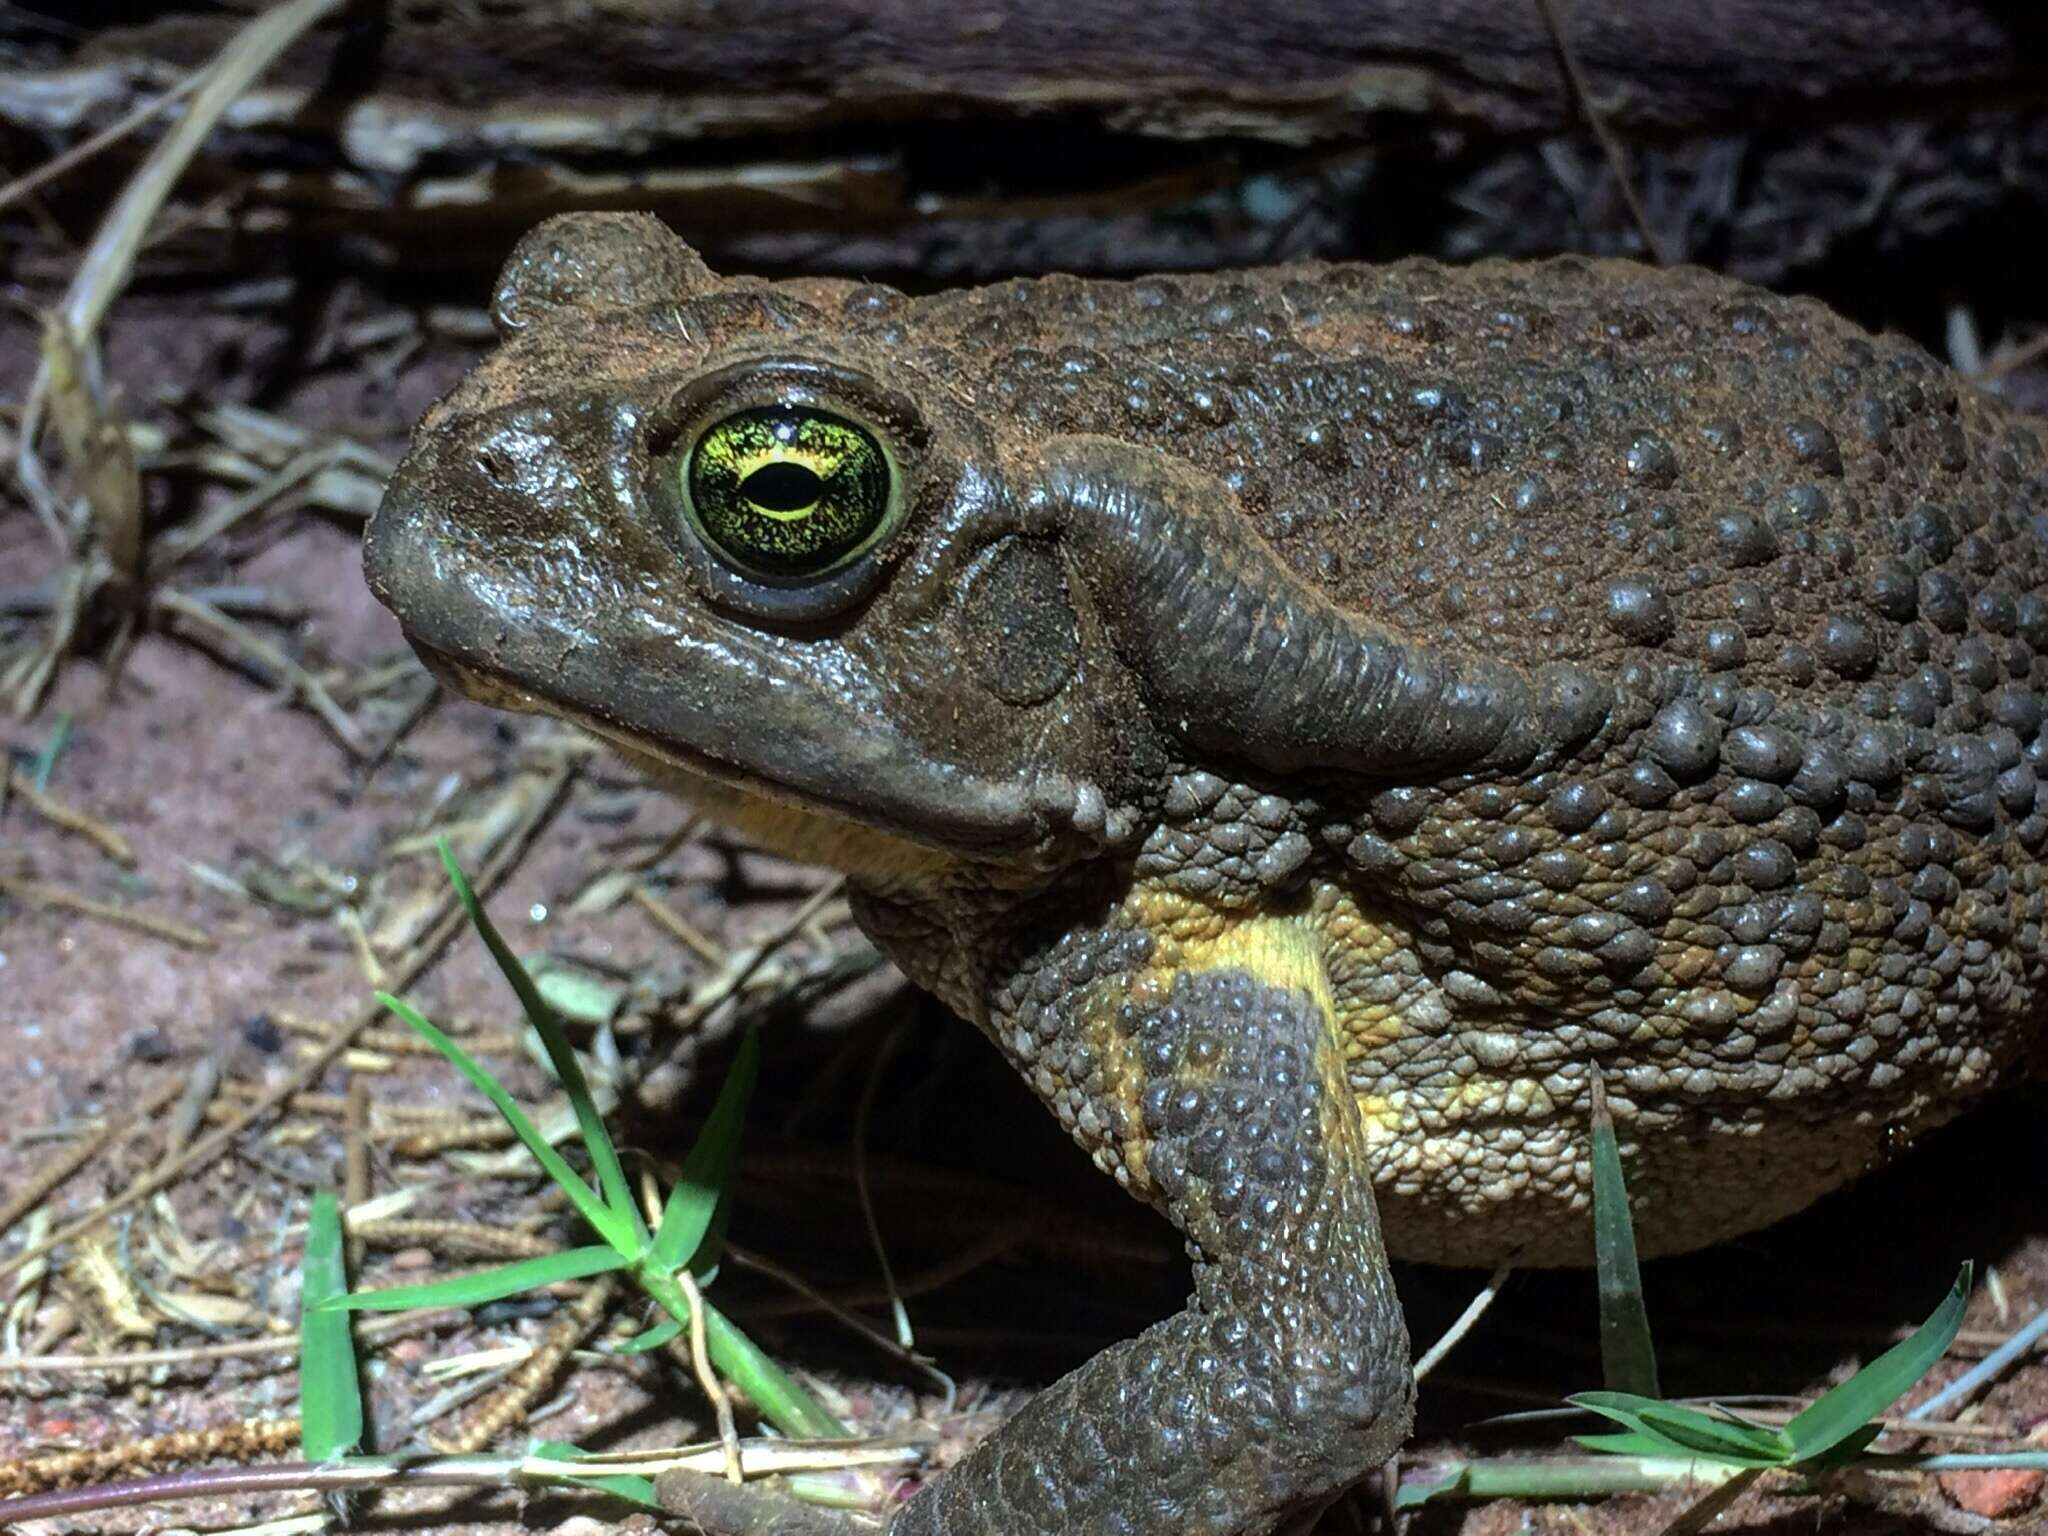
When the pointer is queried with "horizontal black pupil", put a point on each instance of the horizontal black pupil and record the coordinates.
(782, 487)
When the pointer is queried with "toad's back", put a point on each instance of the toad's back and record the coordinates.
(1787, 893)
(1558, 460)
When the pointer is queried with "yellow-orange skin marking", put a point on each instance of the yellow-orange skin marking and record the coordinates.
(1313, 947)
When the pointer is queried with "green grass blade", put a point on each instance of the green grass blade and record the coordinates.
(1714, 1434)
(635, 1490)
(608, 1224)
(1843, 1410)
(604, 1157)
(1628, 1358)
(330, 1382)
(46, 760)
(701, 1186)
(1682, 1431)
(653, 1338)
(1628, 1444)
(1845, 1451)
(490, 1284)
(785, 1404)
(1554, 1478)
(1418, 1491)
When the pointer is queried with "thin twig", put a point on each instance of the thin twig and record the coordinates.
(355, 1179)
(677, 926)
(184, 541)
(1986, 1370)
(1701, 1515)
(40, 893)
(77, 822)
(228, 1442)
(707, 1379)
(252, 50)
(61, 164)
(285, 672)
(366, 1472)
(754, 956)
(814, 1300)
(1617, 156)
(525, 1383)
(2028, 351)
(375, 1331)
(863, 1112)
(1474, 1310)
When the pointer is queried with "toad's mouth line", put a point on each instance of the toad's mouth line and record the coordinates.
(494, 689)
(489, 687)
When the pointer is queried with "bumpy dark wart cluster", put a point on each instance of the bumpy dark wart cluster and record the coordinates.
(1787, 858)
(1778, 593)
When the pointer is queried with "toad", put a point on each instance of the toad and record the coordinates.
(1313, 722)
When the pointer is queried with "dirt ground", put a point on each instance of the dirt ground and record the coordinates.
(298, 874)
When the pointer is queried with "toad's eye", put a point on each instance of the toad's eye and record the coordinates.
(789, 491)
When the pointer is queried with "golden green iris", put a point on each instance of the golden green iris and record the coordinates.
(788, 491)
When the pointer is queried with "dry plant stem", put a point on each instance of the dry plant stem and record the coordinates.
(62, 816)
(386, 1119)
(673, 923)
(757, 955)
(864, 1189)
(525, 1385)
(1702, 1514)
(1474, 1310)
(392, 1042)
(477, 1132)
(472, 1239)
(69, 1469)
(47, 1179)
(278, 1477)
(96, 439)
(2029, 351)
(185, 540)
(63, 164)
(285, 672)
(1610, 146)
(810, 1299)
(423, 702)
(707, 1379)
(451, 922)
(363, 1473)
(104, 273)
(40, 893)
(190, 1111)
(375, 1332)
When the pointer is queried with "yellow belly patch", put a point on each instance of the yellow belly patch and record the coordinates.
(1315, 948)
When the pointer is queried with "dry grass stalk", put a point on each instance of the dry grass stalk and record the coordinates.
(246, 1441)
(525, 1385)
(41, 893)
(46, 805)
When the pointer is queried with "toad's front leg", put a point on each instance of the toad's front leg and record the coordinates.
(1216, 1089)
